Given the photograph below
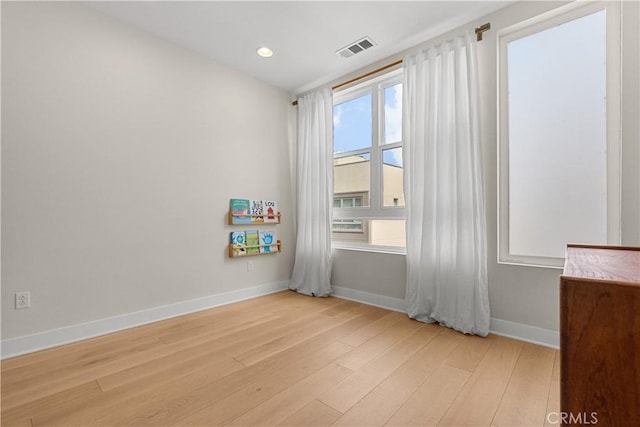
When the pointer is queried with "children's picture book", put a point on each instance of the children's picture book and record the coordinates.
(268, 238)
(252, 237)
(256, 211)
(238, 241)
(270, 209)
(240, 207)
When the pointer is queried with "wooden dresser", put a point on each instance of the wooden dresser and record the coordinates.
(600, 336)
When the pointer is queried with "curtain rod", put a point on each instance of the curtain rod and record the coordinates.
(355, 79)
(479, 30)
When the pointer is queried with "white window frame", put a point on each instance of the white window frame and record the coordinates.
(540, 23)
(375, 210)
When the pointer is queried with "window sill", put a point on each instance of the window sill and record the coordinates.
(393, 250)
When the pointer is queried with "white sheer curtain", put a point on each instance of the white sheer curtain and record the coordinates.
(312, 269)
(444, 188)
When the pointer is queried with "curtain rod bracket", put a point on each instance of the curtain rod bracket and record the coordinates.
(481, 29)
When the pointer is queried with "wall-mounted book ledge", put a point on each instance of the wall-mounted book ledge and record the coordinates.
(253, 241)
(236, 250)
(244, 219)
(246, 211)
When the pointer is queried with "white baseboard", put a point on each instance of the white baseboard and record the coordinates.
(519, 331)
(532, 334)
(42, 340)
(390, 303)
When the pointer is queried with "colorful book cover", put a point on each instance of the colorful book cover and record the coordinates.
(268, 238)
(270, 208)
(252, 238)
(238, 242)
(240, 207)
(257, 211)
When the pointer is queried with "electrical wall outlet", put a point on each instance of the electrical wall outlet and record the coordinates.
(249, 265)
(23, 300)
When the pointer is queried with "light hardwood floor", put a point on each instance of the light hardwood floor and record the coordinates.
(284, 359)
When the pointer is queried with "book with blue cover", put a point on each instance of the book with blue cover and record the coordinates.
(240, 207)
(269, 238)
(238, 242)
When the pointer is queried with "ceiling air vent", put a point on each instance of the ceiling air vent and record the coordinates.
(356, 47)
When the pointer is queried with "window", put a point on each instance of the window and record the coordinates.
(368, 202)
(559, 124)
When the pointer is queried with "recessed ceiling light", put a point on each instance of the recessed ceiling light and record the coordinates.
(265, 52)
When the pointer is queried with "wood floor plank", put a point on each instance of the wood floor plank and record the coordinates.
(478, 401)
(303, 331)
(346, 394)
(53, 366)
(204, 329)
(553, 402)
(57, 381)
(123, 400)
(470, 353)
(315, 414)
(429, 403)
(294, 398)
(174, 365)
(18, 423)
(376, 408)
(379, 344)
(373, 329)
(57, 401)
(529, 382)
(218, 404)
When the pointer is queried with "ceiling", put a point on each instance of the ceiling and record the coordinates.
(304, 35)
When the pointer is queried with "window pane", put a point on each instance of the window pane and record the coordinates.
(393, 114)
(372, 232)
(351, 175)
(557, 138)
(387, 232)
(352, 126)
(392, 177)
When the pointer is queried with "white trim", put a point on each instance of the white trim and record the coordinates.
(518, 331)
(532, 334)
(53, 338)
(390, 303)
(365, 247)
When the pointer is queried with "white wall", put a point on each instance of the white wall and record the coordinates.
(119, 155)
(524, 295)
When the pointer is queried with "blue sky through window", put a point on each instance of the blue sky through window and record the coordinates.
(393, 114)
(352, 124)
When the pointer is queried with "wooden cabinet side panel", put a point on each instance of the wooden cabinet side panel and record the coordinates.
(600, 350)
